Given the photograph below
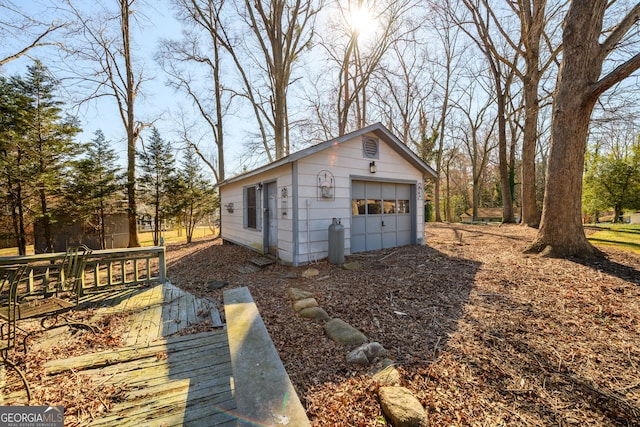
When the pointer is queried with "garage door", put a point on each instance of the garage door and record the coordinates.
(382, 216)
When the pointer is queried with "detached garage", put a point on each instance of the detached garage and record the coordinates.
(368, 179)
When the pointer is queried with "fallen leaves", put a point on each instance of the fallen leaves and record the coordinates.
(482, 334)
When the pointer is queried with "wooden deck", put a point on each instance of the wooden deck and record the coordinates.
(171, 380)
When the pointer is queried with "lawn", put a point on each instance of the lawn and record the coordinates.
(145, 238)
(621, 236)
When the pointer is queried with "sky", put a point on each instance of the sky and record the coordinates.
(157, 103)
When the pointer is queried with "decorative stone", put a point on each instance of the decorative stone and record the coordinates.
(343, 333)
(247, 269)
(304, 303)
(297, 294)
(374, 350)
(387, 377)
(353, 266)
(357, 357)
(402, 408)
(310, 272)
(315, 313)
(216, 284)
(366, 353)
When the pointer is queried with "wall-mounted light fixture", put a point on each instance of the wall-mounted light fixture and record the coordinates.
(229, 207)
(259, 186)
(372, 167)
(284, 192)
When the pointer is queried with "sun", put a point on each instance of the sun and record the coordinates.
(361, 21)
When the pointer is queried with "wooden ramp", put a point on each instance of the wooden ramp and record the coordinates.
(170, 380)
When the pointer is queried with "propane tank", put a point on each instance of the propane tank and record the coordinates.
(336, 242)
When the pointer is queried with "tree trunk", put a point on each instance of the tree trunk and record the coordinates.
(561, 232)
(130, 127)
(530, 212)
(46, 222)
(436, 198)
(580, 84)
(503, 165)
(103, 231)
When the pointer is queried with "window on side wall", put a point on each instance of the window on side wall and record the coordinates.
(252, 208)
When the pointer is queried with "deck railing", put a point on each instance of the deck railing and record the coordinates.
(105, 268)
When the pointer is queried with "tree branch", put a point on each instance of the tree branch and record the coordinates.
(621, 29)
(617, 75)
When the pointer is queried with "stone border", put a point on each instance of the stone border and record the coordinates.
(399, 405)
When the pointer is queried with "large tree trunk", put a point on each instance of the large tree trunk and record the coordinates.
(561, 232)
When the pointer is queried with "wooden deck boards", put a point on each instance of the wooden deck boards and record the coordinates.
(170, 380)
(187, 381)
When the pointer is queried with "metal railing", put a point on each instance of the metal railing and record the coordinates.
(105, 268)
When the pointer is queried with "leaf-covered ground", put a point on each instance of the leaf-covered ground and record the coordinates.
(482, 334)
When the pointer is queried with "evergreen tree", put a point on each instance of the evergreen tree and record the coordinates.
(95, 184)
(157, 168)
(50, 143)
(14, 175)
(194, 195)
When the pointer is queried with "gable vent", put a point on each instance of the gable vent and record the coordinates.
(370, 147)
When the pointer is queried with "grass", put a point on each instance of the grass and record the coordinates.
(145, 238)
(621, 236)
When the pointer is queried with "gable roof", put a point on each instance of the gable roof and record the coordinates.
(378, 129)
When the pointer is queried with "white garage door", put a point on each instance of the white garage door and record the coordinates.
(382, 216)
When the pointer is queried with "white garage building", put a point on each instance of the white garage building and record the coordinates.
(368, 179)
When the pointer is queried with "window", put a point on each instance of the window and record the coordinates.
(358, 206)
(374, 207)
(252, 208)
(403, 206)
(389, 206)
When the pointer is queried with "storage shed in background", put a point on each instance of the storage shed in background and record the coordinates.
(368, 179)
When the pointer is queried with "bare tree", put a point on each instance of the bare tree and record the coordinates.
(401, 89)
(15, 23)
(585, 74)
(481, 34)
(200, 46)
(452, 55)
(527, 43)
(280, 30)
(283, 29)
(478, 137)
(106, 46)
(356, 47)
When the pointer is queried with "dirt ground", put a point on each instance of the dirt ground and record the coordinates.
(482, 334)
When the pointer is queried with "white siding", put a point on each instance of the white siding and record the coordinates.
(344, 161)
(233, 228)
